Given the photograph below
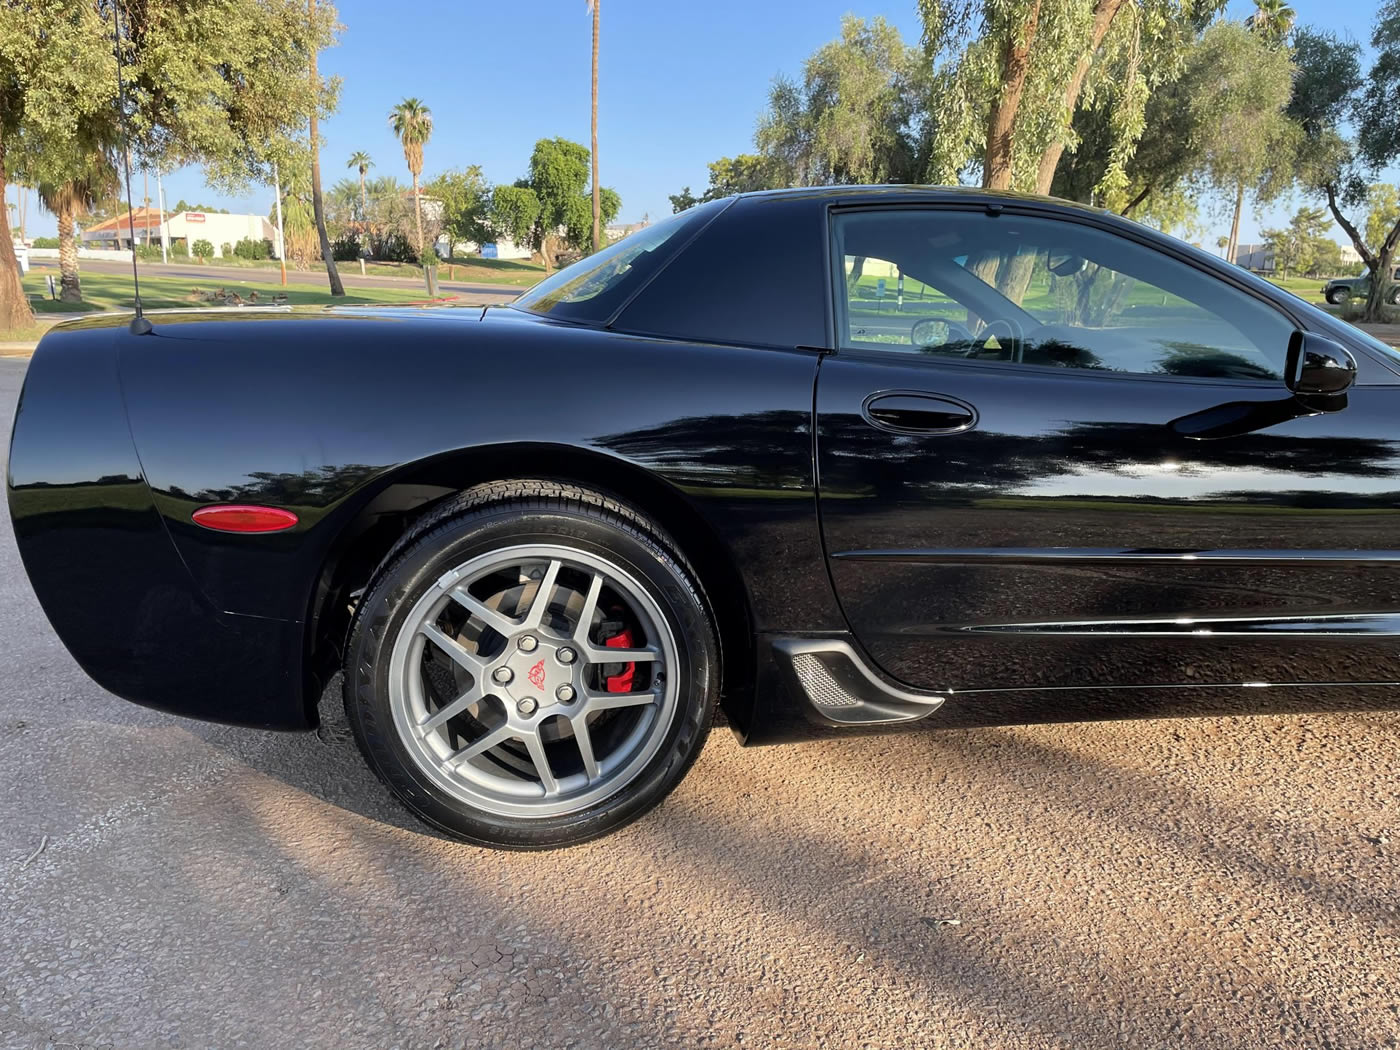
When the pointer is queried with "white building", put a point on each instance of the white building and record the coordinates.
(217, 228)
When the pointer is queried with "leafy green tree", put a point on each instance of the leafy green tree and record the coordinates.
(730, 175)
(466, 199)
(202, 249)
(1329, 93)
(1009, 78)
(412, 122)
(856, 116)
(1302, 246)
(213, 82)
(1226, 80)
(1383, 202)
(551, 207)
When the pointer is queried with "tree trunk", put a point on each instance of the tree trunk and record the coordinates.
(1357, 241)
(364, 205)
(317, 206)
(1381, 276)
(597, 203)
(1015, 66)
(1234, 243)
(68, 260)
(14, 307)
(1104, 13)
(418, 215)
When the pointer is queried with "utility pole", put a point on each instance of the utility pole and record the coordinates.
(597, 205)
(164, 230)
(146, 203)
(281, 240)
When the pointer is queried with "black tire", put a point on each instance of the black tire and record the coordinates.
(1337, 296)
(501, 515)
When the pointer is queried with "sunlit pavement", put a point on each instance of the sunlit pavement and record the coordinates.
(1201, 883)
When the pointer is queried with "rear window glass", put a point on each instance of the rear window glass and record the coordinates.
(592, 289)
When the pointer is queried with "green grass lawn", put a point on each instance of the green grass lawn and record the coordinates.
(104, 291)
(1307, 288)
(517, 273)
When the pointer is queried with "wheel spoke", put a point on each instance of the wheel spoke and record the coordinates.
(498, 622)
(455, 649)
(608, 701)
(535, 616)
(535, 746)
(585, 616)
(452, 710)
(499, 735)
(585, 746)
(620, 656)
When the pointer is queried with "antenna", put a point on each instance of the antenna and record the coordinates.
(139, 324)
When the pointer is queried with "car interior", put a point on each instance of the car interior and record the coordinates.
(1032, 291)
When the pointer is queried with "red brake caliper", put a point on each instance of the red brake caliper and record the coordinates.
(621, 683)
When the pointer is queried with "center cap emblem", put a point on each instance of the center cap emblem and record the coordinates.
(536, 675)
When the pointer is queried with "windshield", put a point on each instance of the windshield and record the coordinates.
(592, 289)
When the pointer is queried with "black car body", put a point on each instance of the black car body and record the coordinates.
(1000, 516)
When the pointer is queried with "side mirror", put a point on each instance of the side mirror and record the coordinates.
(1317, 366)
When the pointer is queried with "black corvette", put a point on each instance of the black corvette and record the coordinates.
(830, 459)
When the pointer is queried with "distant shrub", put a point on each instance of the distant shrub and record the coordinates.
(180, 249)
(202, 248)
(226, 249)
(345, 248)
(250, 248)
(148, 252)
(394, 247)
(45, 242)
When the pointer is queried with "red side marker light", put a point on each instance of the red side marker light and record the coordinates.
(239, 517)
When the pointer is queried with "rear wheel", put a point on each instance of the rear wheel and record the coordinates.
(533, 667)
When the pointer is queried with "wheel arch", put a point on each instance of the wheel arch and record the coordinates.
(389, 510)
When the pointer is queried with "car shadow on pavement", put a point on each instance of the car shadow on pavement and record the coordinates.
(1050, 880)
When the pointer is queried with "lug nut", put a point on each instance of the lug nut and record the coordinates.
(565, 693)
(528, 643)
(527, 706)
(502, 675)
(567, 656)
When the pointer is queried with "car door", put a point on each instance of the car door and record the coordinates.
(1020, 485)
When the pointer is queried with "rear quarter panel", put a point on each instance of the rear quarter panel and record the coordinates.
(320, 414)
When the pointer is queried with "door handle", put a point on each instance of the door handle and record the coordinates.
(911, 412)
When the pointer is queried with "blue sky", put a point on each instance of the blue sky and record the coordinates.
(680, 85)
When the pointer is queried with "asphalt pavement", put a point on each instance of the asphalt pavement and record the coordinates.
(1227, 882)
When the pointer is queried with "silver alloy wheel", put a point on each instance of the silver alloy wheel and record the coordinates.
(500, 684)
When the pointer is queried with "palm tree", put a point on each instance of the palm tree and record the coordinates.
(360, 161)
(69, 200)
(413, 124)
(594, 5)
(1272, 19)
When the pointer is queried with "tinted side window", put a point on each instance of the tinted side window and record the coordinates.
(1047, 292)
(753, 276)
(593, 288)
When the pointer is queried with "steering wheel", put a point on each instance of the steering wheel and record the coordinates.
(933, 333)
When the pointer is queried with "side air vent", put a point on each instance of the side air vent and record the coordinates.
(841, 688)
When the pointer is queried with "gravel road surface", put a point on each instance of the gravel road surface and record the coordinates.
(1200, 883)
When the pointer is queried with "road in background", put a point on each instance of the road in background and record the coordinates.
(1227, 882)
(255, 275)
